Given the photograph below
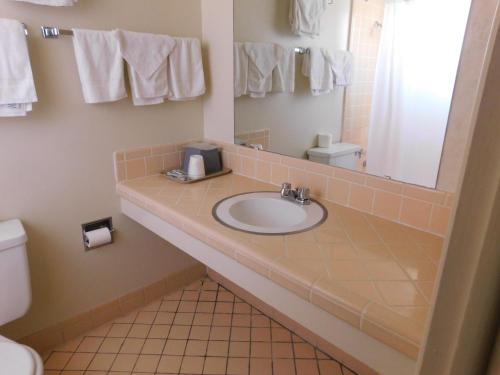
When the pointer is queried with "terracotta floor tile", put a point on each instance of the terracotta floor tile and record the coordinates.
(260, 366)
(111, 345)
(306, 367)
(240, 334)
(159, 331)
(147, 363)
(220, 333)
(329, 367)
(119, 330)
(199, 333)
(218, 348)
(283, 367)
(124, 362)
(175, 347)
(282, 350)
(202, 319)
(102, 362)
(169, 364)
(304, 350)
(153, 346)
(215, 365)
(238, 366)
(192, 365)
(261, 334)
(183, 319)
(79, 361)
(145, 317)
(163, 317)
(178, 334)
(132, 346)
(196, 348)
(239, 349)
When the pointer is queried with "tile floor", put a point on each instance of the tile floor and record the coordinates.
(202, 329)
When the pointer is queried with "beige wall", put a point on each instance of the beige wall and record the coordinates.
(294, 119)
(56, 168)
(218, 109)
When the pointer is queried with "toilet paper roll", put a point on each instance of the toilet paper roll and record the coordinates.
(97, 237)
(325, 140)
(196, 167)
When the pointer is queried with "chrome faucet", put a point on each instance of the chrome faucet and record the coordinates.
(300, 195)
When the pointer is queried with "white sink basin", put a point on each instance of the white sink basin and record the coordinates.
(268, 213)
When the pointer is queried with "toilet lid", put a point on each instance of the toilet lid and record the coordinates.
(335, 150)
(15, 359)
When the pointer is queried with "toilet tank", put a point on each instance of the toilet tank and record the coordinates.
(15, 289)
(344, 155)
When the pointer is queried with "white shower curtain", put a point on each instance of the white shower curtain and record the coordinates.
(416, 70)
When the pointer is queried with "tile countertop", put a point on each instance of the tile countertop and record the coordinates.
(376, 275)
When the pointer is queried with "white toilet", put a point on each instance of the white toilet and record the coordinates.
(15, 299)
(344, 155)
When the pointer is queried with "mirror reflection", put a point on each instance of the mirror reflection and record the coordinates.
(359, 84)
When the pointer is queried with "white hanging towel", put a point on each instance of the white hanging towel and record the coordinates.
(263, 59)
(17, 88)
(284, 74)
(186, 79)
(305, 16)
(100, 65)
(326, 69)
(146, 56)
(342, 65)
(55, 3)
(240, 70)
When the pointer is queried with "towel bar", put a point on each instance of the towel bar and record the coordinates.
(52, 32)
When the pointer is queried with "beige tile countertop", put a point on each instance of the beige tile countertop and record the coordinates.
(376, 275)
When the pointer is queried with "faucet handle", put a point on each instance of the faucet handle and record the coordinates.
(303, 195)
(286, 188)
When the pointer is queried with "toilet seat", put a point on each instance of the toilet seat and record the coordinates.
(17, 359)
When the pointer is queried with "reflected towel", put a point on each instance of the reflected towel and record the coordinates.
(263, 59)
(240, 70)
(305, 16)
(327, 69)
(17, 88)
(284, 74)
(100, 65)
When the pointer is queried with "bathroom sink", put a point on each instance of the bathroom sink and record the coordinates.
(268, 213)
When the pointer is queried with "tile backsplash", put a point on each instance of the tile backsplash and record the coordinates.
(425, 209)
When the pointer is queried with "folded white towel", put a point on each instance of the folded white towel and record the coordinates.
(146, 55)
(240, 70)
(17, 88)
(55, 3)
(327, 69)
(100, 65)
(263, 59)
(305, 16)
(186, 79)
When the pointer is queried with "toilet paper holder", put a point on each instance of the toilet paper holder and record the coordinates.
(94, 225)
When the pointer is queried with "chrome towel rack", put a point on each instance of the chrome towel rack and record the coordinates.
(51, 32)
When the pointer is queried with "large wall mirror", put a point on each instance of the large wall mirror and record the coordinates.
(358, 84)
